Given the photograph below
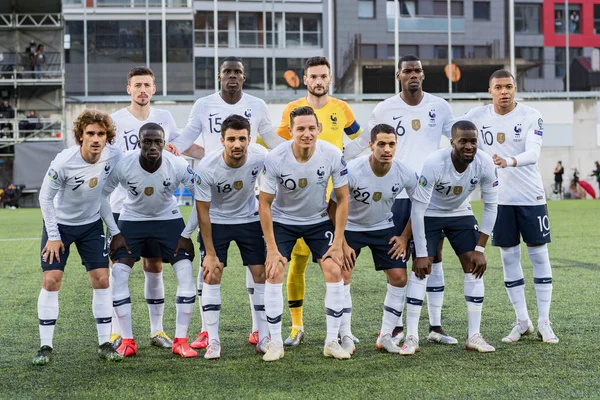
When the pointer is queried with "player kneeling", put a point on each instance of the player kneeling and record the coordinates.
(374, 182)
(441, 204)
(150, 214)
(228, 211)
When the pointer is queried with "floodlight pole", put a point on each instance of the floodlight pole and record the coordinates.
(216, 44)
(450, 75)
(396, 43)
(511, 36)
(567, 58)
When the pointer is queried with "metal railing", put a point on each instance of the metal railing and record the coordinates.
(20, 66)
(16, 130)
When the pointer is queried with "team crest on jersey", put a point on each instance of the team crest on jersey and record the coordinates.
(149, 191)
(321, 171)
(238, 185)
(107, 168)
(422, 181)
(52, 174)
(500, 137)
(302, 182)
(416, 124)
(432, 116)
(255, 171)
(93, 182)
(396, 187)
(377, 196)
(457, 190)
(517, 137)
(333, 118)
(248, 113)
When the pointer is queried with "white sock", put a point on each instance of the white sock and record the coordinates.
(259, 309)
(392, 308)
(345, 323)
(102, 309)
(415, 293)
(250, 289)
(274, 309)
(115, 329)
(121, 298)
(542, 280)
(435, 294)
(186, 296)
(47, 315)
(514, 280)
(334, 305)
(199, 284)
(473, 291)
(154, 291)
(211, 308)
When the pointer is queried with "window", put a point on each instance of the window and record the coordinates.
(250, 29)
(532, 54)
(366, 8)
(368, 51)
(302, 30)
(441, 52)
(440, 7)
(203, 29)
(574, 18)
(482, 52)
(408, 8)
(205, 76)
(596, 19)
(559, 59)
(527, 18)
(481, 10)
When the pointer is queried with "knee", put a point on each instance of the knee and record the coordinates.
(51, 282)
(397, 278)
(152, 265)
(101, 282)
(258, 275)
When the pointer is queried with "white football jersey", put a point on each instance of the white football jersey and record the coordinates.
(150, 195)
(208, 114)
(73, 187)
(419, 128)
(300, 188)
(230, 191)
(372, 197)
(507, 136)
(447, 191)
(128, 128)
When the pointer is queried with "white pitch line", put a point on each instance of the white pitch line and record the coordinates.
(18, 239)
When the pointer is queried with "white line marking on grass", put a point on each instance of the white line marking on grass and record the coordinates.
(18, 239)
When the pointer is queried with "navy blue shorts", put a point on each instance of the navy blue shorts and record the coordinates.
(318, 238)
(462, 233)
(149, 250)
(531, 222)
(378, 242)
(163, 235)
(248, 237)
(90, 242)
(401, 213)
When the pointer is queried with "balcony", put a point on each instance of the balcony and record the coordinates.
(128, 3)
(18, 67)
(16, 130)
(255, 39)
(434, 24)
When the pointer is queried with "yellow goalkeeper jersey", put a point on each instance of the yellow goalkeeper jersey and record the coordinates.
(335, 116)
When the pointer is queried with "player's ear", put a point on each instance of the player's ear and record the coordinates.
(320, 126)
(153, 88)
(128, 89)
(304, 79)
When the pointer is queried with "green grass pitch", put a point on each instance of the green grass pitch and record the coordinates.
(528, 369)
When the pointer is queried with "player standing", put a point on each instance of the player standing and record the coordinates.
(441, 205)
(293, 206)
(512, 133)
(374, 181)
(151, 216)
(71, 205)
(420, 120)
(228, 211)
(128, 121)
(205, 121)
(337, 119)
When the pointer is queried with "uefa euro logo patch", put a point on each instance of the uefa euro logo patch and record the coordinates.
(198, 180)
(52, 174)
(422, 181)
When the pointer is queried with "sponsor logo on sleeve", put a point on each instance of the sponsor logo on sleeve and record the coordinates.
(344, 172)
(422, 181)
(495, 184)
(538, 132)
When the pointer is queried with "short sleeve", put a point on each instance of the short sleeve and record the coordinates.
(268, 183)
(203, 183)
(339, 175)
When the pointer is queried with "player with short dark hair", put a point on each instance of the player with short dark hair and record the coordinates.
(512, 133)
(338, 121)
(228, 211)
(205, 122)
(151, 216)
(441, 205)
(71, 205)
(374, 181)
(419, 119)
(293, 206)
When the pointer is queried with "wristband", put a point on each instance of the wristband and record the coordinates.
(480, 249)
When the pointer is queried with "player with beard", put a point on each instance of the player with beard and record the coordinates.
(206, 117)
(441, 204)
(337, 119)
(420, 120)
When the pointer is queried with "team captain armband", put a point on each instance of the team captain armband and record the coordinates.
(352, 129)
